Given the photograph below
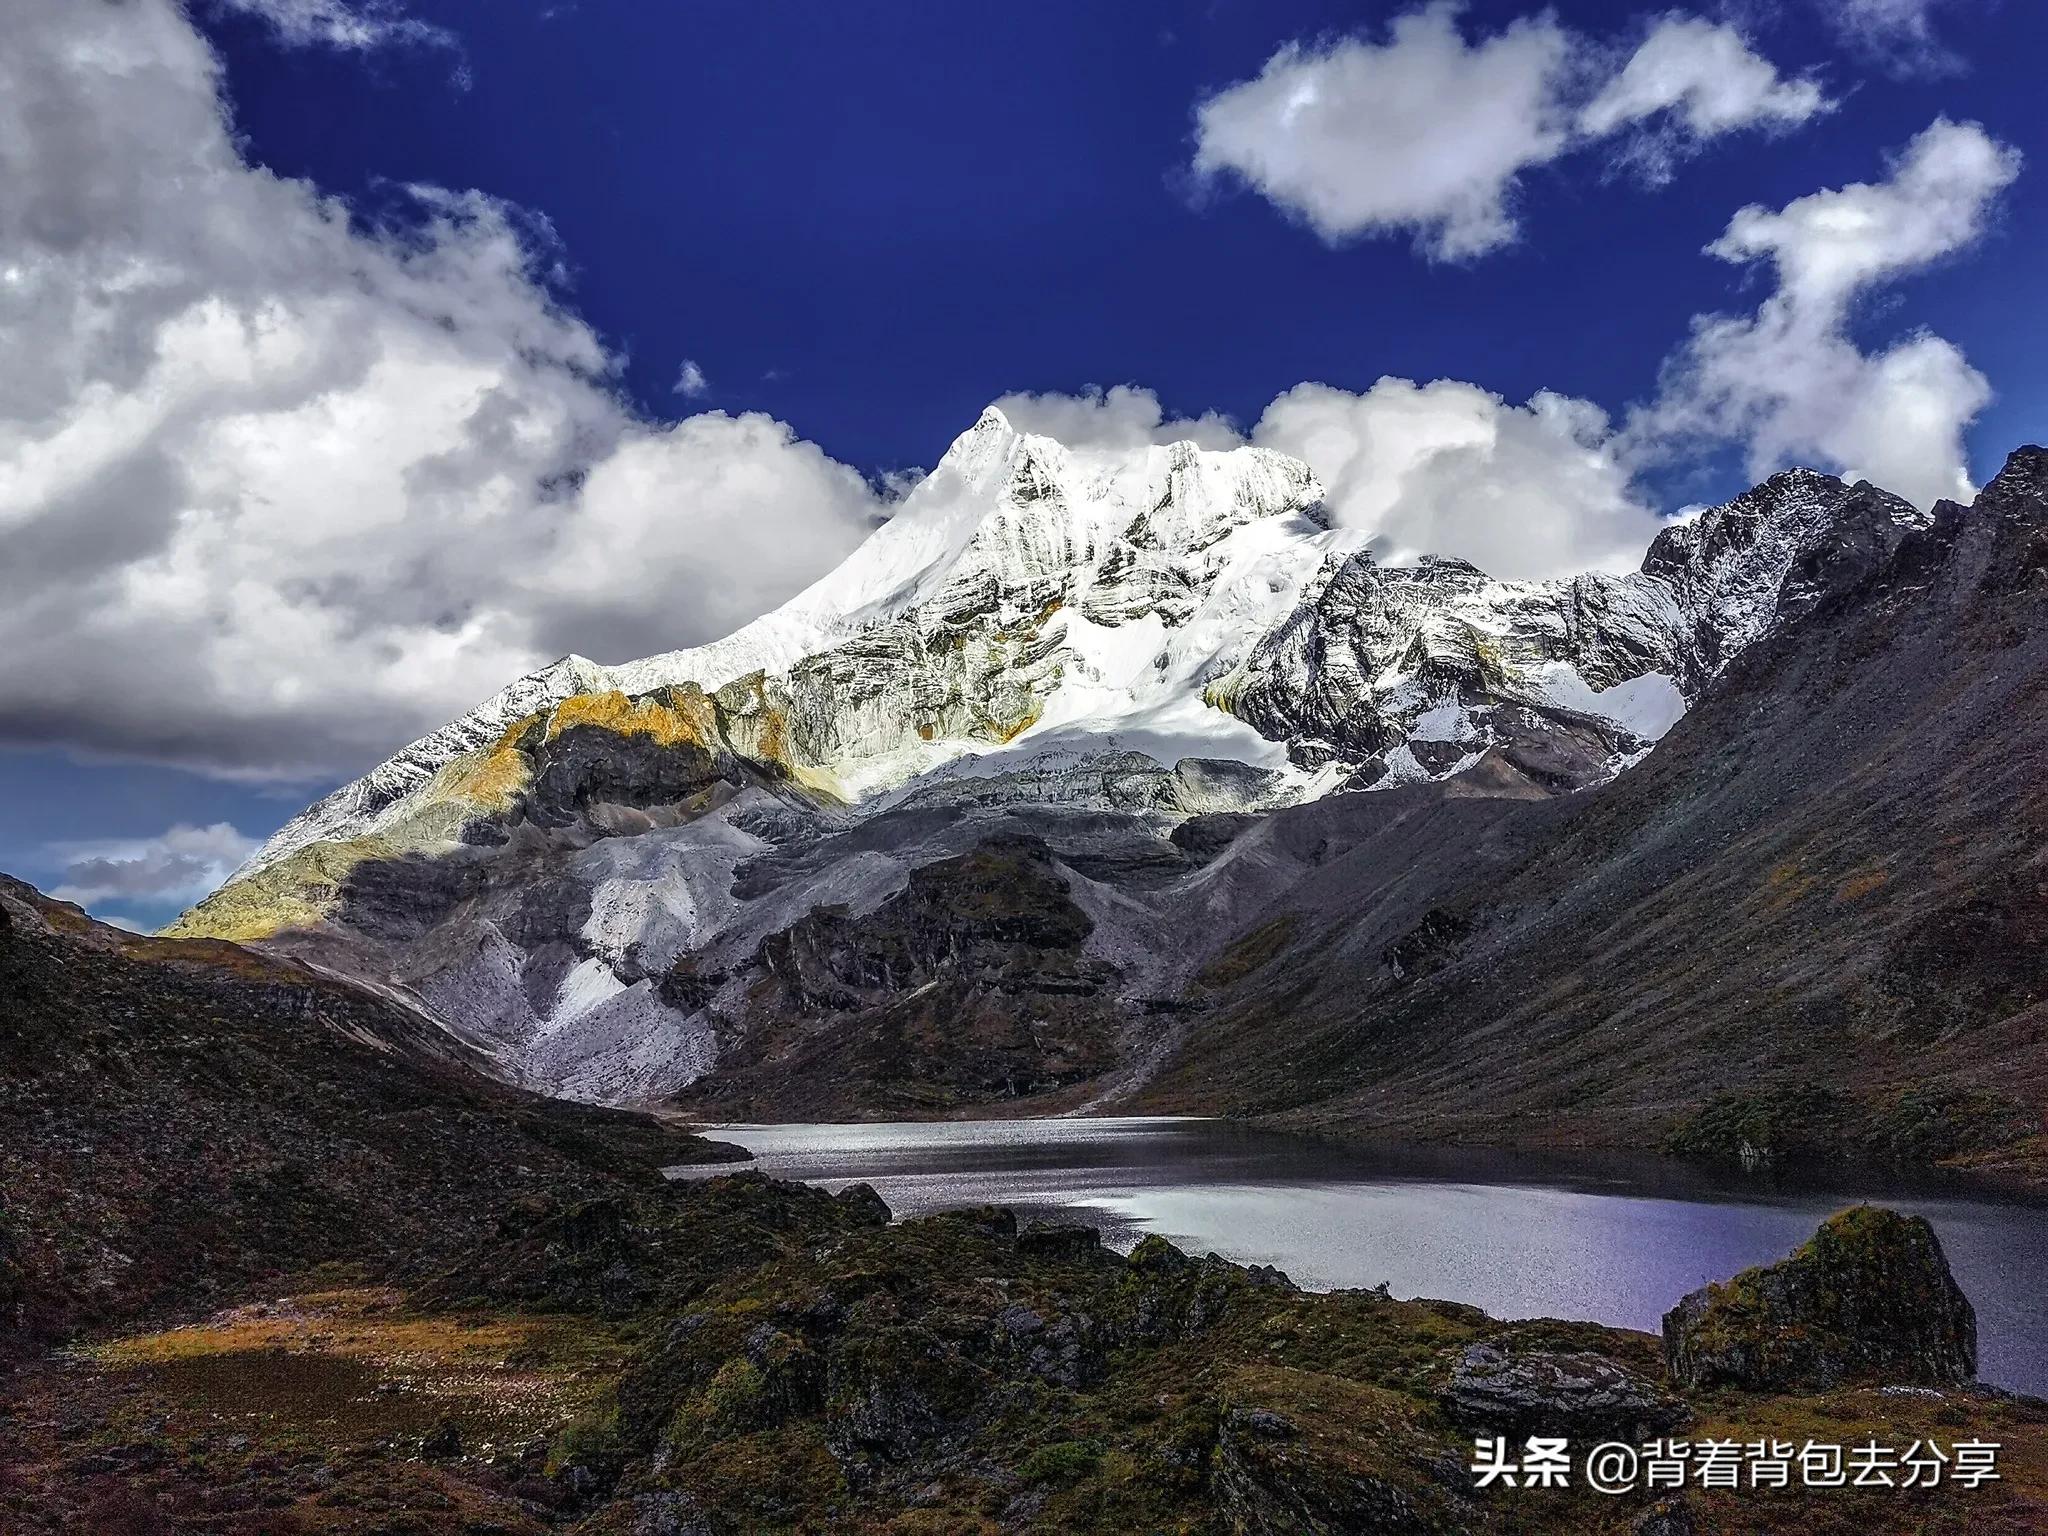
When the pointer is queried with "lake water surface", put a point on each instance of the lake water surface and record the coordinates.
(1612, 1240)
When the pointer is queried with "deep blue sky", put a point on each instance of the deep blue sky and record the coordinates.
(871, 219)
(900, 211)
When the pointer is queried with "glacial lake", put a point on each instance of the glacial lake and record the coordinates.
(1615, 1240)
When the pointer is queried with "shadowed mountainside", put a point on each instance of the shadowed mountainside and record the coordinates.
(179, 1118)
(1810, 922)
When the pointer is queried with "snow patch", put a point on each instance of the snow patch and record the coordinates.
(1646, 706)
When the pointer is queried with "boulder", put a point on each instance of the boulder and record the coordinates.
(444, 1441)
(1869, 1298)
(863, 1205)
(1544, 1392)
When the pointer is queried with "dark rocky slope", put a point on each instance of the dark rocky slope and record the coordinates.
(1809, 923)
(970, 986)
(180, 1118)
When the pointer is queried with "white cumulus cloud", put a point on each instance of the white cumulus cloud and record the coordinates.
(690, 380)
(287, 483)
(1790, 381)
(1522, 491)
(1692, 80)
(1430, 132)
(1423, 133)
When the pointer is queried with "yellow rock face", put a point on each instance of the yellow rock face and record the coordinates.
(686, 717)
(489, 780)
(295, 892)
(300, 890)
(1006, 731)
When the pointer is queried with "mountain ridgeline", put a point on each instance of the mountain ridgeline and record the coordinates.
(1128, 780)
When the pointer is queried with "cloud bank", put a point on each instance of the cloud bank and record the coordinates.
(289, 481)
(1522, 491)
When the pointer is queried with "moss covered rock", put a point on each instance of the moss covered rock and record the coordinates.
(1869, 1298)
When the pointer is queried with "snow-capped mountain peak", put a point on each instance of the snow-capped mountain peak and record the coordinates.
(1176, 602)
(571, 872)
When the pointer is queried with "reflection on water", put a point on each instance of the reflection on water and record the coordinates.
(1611, 1239)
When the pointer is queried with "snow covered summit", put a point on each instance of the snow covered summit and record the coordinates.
(1028, 599)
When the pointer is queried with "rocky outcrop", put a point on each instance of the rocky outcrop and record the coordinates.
(1274, 1476)
(1525, 1392)
(1001, 918)
(1403, 673)
(1736, 570)
(1869, 1298)
(973, 984)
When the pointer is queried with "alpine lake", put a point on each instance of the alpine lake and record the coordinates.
(1611, 1239)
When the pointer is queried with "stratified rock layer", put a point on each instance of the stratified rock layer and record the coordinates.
(1547, 1392)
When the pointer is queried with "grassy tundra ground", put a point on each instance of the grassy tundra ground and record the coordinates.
(744, 1356)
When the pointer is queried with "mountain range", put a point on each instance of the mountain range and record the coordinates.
(1104, 778)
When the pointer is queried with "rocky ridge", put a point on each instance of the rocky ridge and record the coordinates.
(181, 1118)
(1793, 932)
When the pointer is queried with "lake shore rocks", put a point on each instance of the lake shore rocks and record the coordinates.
(1868, 1299)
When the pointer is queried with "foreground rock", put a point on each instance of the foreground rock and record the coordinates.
(1869, 1298)
(1545, 1392)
